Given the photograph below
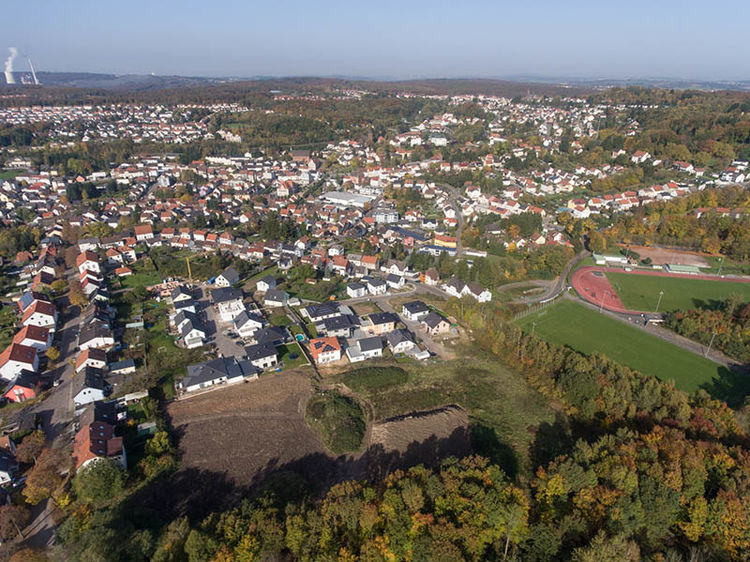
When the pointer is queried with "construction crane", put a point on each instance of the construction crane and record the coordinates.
(190, 275)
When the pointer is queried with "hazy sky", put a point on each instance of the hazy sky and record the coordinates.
(383, 38)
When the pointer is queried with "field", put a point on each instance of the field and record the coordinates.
(641, 292)
(585, 330)
(244, 429)
(504, 411)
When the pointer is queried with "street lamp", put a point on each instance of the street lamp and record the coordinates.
(533, 328)
(718, 273)
(661, 294)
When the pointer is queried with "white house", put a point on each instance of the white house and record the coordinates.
(262, 356)
(414, 310)
(246, 324)
(17, 358)
(356, 290)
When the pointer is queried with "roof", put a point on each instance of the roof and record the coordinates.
(433, 319)
(17, 352)
(259, 351)
(121, 365)
(180, 290)
(370, 344)
(382, 318)
(34, 333)
(225, 294)
(217, 368)
(231, 275)
(93, 353)
(270, 334)
(276, 295)
(415, 307)
(323, 345)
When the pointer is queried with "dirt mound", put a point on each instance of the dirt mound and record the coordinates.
(423, 437)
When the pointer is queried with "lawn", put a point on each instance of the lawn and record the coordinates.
(641, 292)
(289, 349)
(504, 410)
(585, 330)
(8, 174)
(142, 279)
(164, 357)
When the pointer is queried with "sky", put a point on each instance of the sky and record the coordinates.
(384, 39)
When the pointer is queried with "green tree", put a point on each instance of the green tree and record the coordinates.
(100, 480)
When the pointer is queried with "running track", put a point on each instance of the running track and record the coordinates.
(592, 284)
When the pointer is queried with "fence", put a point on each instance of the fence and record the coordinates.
(537, 307)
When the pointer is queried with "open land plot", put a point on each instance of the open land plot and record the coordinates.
(641, 292)
(585, 330)
(661, 256)
(233, 438)
(243, 430)
(504, 410)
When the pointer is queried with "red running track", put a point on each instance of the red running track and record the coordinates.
(592, 284)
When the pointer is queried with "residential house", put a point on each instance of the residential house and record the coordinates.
(227, 278)
(89, 386)
(24, 386)
(356, 290)
(376, 286)
(365, 348)
(414, 310)
(224, 370)
(246, 324)
(95, 333)
(275, 298)
(263, 356)
(435, 324)
(17, 358)
(95, 438)
(400, 341)
(379, 323)
(42, 314)
(325, 350)
(34, 336)
(228, 301)
(91, 357)
(395, 281)
(266, 283)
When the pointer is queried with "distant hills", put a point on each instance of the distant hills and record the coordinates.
(508, 86)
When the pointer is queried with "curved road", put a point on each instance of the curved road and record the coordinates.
(554, 287)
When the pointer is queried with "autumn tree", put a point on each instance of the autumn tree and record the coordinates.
(31, 447)
(13, 518)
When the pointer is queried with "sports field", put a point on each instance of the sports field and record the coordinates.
(641, 292)
(585, 330)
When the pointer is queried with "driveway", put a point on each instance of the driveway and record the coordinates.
(215, 329)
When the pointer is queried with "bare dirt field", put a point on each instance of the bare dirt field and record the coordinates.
(242, 431)
(234, 438)
(660, 256)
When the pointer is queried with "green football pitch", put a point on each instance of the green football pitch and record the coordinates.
(585, 330)
(641, 292)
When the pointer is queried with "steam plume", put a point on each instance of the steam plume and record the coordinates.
(9, 66)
